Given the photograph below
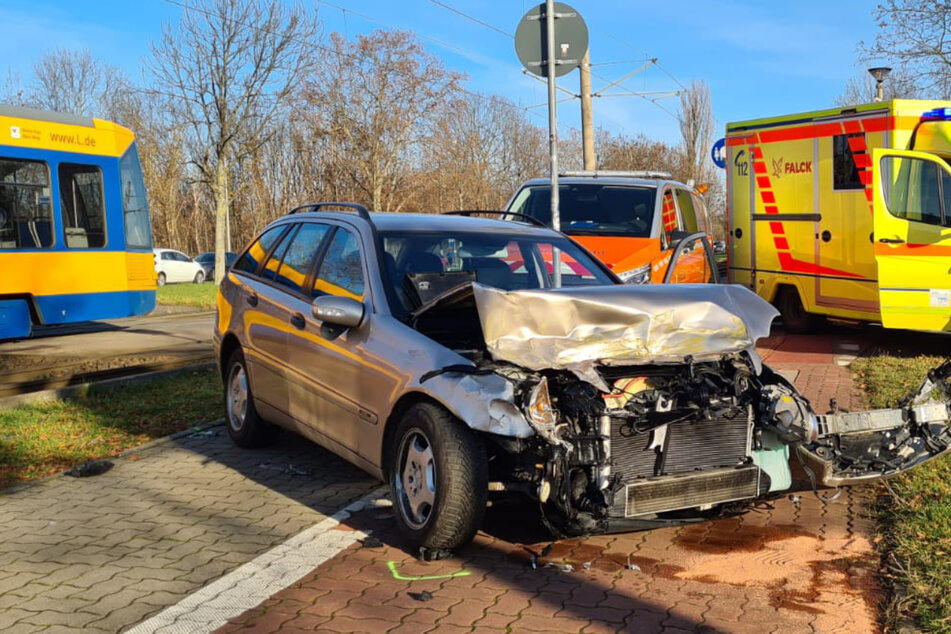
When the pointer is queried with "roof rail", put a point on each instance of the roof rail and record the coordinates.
(360, 209)
(612, 173)
(468, 213)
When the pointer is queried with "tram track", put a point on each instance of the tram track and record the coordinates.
(76, 372)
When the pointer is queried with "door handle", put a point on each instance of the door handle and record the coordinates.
(252, 299)
(891, 241)
(297, 320)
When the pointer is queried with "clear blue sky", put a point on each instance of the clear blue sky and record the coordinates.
(759, 58)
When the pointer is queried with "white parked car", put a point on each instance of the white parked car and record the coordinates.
(174, 266)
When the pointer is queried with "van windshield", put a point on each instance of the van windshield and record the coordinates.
(592, 209)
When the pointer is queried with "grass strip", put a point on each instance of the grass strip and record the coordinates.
(45, 438)
(195, 295)
(914, 514)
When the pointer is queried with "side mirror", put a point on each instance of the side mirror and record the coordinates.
(345, 312)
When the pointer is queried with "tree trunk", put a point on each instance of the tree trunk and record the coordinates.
(222, 203)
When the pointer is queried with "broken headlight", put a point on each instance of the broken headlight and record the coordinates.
(640, 275)
(540, 412)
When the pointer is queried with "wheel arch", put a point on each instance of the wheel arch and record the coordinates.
(229, 344)
(403, 405)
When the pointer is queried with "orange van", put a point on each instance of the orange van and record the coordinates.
(645, 226)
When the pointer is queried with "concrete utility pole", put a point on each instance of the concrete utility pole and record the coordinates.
(587, 116)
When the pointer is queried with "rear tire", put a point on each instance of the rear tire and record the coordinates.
(795, 317)
(438, 477)
(245, 426)
(161, 279)
(199, 277)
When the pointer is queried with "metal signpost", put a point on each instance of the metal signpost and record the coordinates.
(551, 49)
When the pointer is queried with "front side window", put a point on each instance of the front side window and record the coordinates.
(341, 271)
(258, 250)
(26, 219)
(135, 207)
(590, 209)
(81, 202)
(845, 173)
(914, 189)
(300, 256)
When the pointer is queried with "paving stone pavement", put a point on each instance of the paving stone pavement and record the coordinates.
(794, 565)
(102, 553)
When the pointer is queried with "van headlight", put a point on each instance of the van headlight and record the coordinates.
(640, 275)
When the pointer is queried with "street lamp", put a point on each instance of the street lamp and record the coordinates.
(879, 73)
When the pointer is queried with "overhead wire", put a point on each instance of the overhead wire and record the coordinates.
(183, 4)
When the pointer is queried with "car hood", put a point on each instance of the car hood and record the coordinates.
(578, 328)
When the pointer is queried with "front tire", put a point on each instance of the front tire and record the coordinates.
(438, 478)
(199, 277)
(245, 426)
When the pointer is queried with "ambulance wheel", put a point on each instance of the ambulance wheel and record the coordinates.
(794, 314)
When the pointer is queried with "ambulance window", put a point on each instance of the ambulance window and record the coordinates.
(911, 188)
(687, 211)
(845, 174)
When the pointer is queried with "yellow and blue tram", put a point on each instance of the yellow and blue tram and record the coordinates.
(75, 236)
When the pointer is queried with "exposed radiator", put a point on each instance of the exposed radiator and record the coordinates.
(687, 446)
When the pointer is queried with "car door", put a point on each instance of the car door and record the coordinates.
(912, 215)
(330, 368)
(264, 316)
(182, 269)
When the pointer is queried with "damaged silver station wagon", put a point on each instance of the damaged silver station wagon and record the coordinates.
(434, 352)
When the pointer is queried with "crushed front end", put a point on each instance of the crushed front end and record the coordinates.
(632, 435)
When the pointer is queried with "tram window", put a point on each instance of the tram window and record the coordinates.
(138, 232)
(84, 213)
(26, 220)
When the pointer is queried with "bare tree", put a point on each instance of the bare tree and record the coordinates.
(231, 66)
(76, 82)
(371, 101)
(917, 36)
(13, 92)
(696, 129)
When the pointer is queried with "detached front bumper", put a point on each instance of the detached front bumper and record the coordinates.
(860, 447)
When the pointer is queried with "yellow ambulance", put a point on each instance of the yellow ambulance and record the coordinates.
(845, 213)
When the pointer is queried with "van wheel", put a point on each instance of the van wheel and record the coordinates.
(245, 426)
(438, 477)
(794, 315)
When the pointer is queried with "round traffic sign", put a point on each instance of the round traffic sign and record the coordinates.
(571, 40)
(718, 153)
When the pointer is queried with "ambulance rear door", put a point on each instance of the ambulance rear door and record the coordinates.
(912, 214)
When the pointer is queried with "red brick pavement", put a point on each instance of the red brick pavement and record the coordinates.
(797, 565)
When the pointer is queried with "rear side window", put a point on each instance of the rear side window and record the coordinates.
(845, 173)
(84, 214)
(300, 256)
(258, 250)
(26, 221)
(273, 263)
(341, 272)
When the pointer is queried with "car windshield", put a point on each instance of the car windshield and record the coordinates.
(418, 266)
(592, 209)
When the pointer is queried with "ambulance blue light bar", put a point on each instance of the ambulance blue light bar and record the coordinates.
(940, 114)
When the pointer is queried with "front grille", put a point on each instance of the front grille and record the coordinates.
(689, 446)
(693, 489)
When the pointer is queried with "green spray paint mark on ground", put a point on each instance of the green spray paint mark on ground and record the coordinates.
(396, 574)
